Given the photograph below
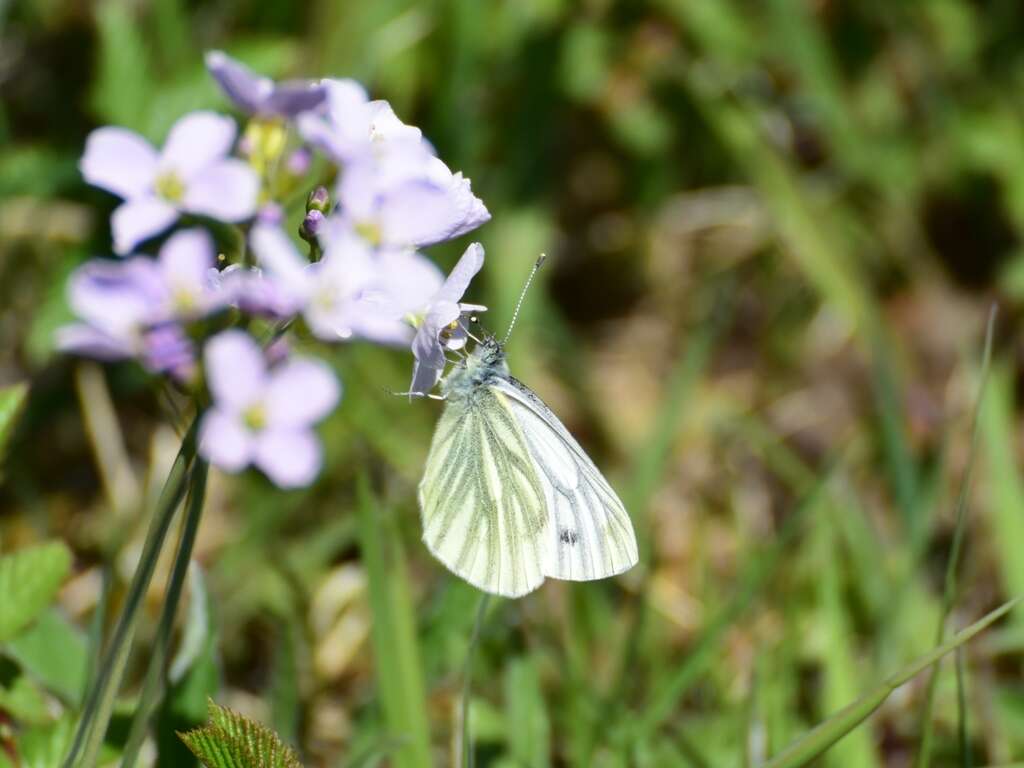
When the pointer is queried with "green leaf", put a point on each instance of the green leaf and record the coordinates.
(123, 87)
(12, 400)
(43, 747)
(54, 652)
(29, 580)
(22, 699)
(230, 740)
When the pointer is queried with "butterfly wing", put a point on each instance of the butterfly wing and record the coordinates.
(589, 535)
(481, 499)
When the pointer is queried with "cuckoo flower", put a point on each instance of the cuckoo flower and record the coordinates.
(407, 197)
(328, 292)
(261, 96)
(348, 126)
(264, 415)
(438, 327)
(191, 174)
(121, 303)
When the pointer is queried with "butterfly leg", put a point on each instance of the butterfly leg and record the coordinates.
(417, 394)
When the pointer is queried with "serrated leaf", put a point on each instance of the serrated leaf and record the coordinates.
(29, 580)
(230, 740)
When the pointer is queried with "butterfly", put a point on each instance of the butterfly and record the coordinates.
(508, 497)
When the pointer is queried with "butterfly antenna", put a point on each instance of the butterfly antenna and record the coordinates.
(515, 313)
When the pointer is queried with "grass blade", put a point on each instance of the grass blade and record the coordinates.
(822, 737)
(396, 654)
(100, 702)
(949, 588)
(152, 689)
(467, 683)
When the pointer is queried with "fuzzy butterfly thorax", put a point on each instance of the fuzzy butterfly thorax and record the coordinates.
(485, 363)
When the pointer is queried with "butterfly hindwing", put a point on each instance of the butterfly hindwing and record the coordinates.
(482, 501)
(589, 535)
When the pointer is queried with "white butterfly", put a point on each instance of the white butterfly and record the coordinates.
(508, 497)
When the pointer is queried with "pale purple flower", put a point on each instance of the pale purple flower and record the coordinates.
(439, 326)
(348, 126)
(167, 349)
(253, 292)
(114, 302)
(264, 415)
(407, 197)
(327, 292)
(119, 302)
(191, 174)
(261, 96)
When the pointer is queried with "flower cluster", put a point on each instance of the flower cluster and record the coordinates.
(211, 309)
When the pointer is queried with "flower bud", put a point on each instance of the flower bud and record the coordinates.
(311, 225)
(319, 200)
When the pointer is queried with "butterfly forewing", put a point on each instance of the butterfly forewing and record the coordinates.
(482, 501)
(589, 535)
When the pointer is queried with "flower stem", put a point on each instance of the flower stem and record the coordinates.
(152, 689)
(100, 703)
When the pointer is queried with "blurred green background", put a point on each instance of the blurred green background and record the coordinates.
(775, 232)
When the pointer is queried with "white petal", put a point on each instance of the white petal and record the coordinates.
(224, 441)
(195, 141)
(301, 391)
(119, 161)
(236, 372)
(137, 220)
(226, 190)
(291, 459)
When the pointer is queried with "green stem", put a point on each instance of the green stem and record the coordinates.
(100, 702)
(467, 684)
(152, 690)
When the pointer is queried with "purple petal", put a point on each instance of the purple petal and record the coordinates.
(290, 99)
(140, 219)
(195, 141)
(464, 271)
(290, 458)
(166, 349)
(186, 259)
(119, 161)
(117, 297)
(300, 392)
(89, 341)
(278, 256)
(424, 212)
(226, 191)
(243, 86)
(236, 372)
(259, 95)
(224, 441)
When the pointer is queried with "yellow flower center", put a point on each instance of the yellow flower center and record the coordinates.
(170, 187)
(369, 231)
(255, 417)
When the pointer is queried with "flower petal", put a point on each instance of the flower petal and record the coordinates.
(290, 99)
(89, 341)
(282, 263)
(243, 86)
(119, 161)
(195, 141)
(464, 271)
(301, 392)
(139, 219)
(290, 458)
(186, 259)
(226, 191)
(236, 372)
(224, 441)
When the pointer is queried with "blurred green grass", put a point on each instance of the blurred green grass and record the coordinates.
(775, 231)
